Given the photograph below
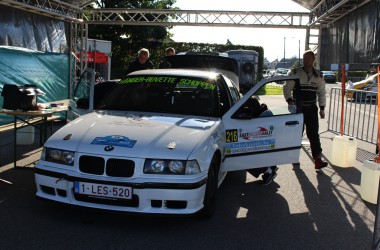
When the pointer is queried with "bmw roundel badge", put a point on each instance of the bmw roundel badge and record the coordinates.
(109, 148)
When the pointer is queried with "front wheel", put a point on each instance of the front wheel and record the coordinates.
(209, 200)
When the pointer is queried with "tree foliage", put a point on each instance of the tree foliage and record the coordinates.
(128, 39)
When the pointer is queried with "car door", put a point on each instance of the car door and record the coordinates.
(82, 101)
(272, 138)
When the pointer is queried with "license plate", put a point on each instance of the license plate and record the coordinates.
(103, 190)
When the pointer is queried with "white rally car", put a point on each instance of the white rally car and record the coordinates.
(162, 141)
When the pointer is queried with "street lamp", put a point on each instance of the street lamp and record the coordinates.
(284, 52)
(299, 52)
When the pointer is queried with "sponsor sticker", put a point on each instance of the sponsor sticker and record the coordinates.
(245, 147)
(259, 133)
(154, 79)
(196, 83)
(114, 140)
(168, 79)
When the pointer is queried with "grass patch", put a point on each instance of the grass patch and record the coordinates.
(270, 89)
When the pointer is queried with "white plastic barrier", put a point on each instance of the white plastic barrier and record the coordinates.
(369, 182)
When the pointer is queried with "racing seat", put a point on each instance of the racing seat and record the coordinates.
(250, 109)
(204, 101)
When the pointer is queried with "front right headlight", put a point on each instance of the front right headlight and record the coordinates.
(65, 157)
(172, 167)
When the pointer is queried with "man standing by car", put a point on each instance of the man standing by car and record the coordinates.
(142, 61)
(312, 89)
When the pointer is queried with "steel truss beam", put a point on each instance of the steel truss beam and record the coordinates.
(252, 19)
(51, 8)
(329, 11)
(325, 13)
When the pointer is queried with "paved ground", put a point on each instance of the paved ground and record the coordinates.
(300, 210)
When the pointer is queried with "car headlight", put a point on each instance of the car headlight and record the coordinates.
(58, 156)
(158, 166)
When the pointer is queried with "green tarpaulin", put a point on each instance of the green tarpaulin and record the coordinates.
(49, 71)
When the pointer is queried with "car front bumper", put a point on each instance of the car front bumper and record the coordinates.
(147, 197)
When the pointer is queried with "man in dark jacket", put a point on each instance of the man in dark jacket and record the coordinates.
(312, 90)
(142, 61)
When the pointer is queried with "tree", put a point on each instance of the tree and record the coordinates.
(128, 39)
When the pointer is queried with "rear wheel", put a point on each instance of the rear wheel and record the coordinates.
(209, 200)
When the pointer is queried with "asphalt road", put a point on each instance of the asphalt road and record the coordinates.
(302, 209)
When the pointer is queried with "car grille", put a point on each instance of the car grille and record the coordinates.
(113, 167)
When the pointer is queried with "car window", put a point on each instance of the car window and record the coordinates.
(164, 94)
(265, 102)
(233, 90)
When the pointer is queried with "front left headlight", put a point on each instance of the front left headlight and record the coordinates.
(176, 167)
(58, 156)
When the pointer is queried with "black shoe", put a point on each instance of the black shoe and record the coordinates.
(268, 178)
(319, 163)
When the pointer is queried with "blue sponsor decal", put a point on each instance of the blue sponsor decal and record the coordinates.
(250, 144)
(114, 140)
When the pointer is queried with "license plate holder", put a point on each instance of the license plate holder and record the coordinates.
(103, 191)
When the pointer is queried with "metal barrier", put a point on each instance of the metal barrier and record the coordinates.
(360, 114)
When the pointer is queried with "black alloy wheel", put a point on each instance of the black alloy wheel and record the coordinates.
(209, 201)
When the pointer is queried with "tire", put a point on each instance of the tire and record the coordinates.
(209, 200)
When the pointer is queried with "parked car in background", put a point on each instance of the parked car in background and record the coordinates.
(267, 73)
(162, 141)
(329, 76)
(282, 72)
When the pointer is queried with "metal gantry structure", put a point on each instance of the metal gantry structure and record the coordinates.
(325, 13)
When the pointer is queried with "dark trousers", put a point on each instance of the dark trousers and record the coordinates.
(310, 116)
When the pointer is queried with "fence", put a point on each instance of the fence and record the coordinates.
(360, 114)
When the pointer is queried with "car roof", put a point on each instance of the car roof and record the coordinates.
(177, 72)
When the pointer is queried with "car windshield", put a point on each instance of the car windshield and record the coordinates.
(328, 73)
(164, 94)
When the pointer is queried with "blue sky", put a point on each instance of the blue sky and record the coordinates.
(272, 40)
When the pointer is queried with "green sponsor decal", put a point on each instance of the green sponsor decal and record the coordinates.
(167, 79)
(196, 83)
(154, 79)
